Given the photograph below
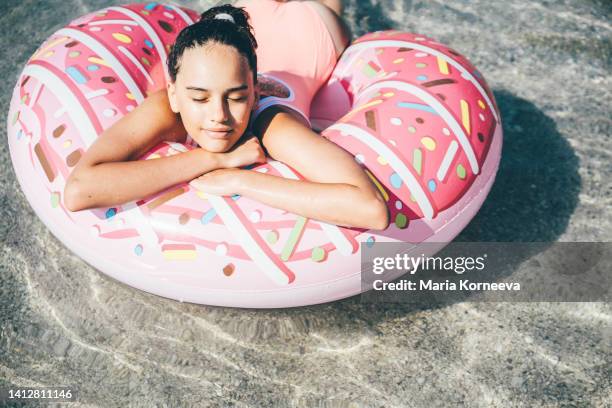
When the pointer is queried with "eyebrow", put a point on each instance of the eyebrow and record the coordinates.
(235, 89)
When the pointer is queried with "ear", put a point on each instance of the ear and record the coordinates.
(172, 98)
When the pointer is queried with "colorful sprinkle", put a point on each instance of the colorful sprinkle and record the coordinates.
(221, 249)
(417, 160)
(401, 220)
(429, 143)
(74, 73)
(111, 212)
(145, 61)
(465, 114)
(431, 185)
(388, 94)
(396, 121)
(55, 199)
(127, 28)
(228, 269)
(179, 252)
(150, 6)
(398, 61)
(392, 142)
(370, 241)
(396, 180)
(318, 254)
(138, 250)
(71, 44)
(208, 216)
(461, 173)
(480, 137)
(130, 96)
(421, 54)
(442, 66)
(481, 117)
(398, 204)
(421, 65)
(99, 61)
(419, 120)
(129, 108)
(382, 161)
(417, 106)
(446, 132)
(422, 78)
(370, 119)
(19, 134)
(184, 218)
(168, 15)
(49, 54)
(439, 82)
(360, 159)
(165, 26)
(272, 237)
(93, 67)
(294, 237)
(148, 43)
(95, 29)
(108, 79)
(122, 38)
(58, 131)
(481, 104)
(73, 158)
(411, 129)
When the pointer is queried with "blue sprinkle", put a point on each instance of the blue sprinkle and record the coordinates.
(431, 184)
(208, 216)
(19, 134)
(422, 77)
(235, 197)
(150, 6)
(138, 249)
(93, 67)
(76, 74)
(168, 8)
(396, 180)
(111, 212)
(148, 43)
(370, 242)
(417, 106)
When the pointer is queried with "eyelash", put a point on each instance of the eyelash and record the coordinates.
(231, 99)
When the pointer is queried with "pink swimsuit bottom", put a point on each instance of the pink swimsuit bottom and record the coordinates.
(295, 53)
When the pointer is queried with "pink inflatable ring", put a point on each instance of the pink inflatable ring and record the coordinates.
(415, 113)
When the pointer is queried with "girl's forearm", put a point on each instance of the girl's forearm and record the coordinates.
(115, 183)
(335, 203)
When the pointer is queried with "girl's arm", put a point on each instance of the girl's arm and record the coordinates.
(336, 189)
(109, 172)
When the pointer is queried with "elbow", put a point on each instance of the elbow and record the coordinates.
(72, 196)
(379, 218)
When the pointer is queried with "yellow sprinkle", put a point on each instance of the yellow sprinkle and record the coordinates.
(382, 160)
(465, 115)
(481, 104)
(98, 61)
(388, 94)
(122, 38)
(51, 44)
(129, 96)
(398, 61)
(420, 65)
(378, 185)
(442, 66)
(181, 255)
(154, 156)
(67, 144)
(48, 54)
(202, 195)
(429, 143)
(379, 51)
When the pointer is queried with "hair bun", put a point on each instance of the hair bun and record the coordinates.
(227, 14)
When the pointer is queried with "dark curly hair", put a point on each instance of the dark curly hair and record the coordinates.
(237, 34)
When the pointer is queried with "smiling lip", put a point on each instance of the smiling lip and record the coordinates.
(218, 134)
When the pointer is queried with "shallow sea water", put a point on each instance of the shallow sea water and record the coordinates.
(548, 63)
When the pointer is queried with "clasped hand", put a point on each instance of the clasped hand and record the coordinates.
(226, 180)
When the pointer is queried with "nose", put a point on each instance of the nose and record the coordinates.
(219, 111)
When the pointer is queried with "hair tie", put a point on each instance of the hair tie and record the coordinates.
(225, 16)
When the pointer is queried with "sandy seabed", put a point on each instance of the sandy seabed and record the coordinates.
(548, 63)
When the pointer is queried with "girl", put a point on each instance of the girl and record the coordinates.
(212, 97)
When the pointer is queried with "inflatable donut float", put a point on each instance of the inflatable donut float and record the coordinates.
(415, 114)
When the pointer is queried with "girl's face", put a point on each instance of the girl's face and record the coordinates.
(214, 93)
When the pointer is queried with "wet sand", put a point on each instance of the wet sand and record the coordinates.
(548, 63)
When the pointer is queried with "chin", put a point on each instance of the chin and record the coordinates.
(216, 146)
